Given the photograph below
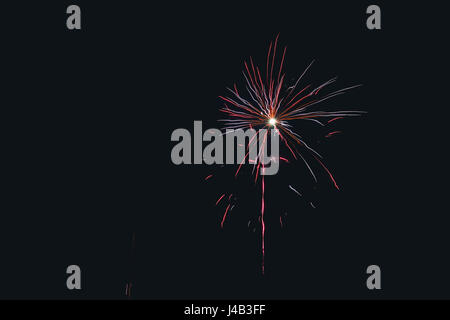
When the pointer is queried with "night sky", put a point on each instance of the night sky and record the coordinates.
(88, 169)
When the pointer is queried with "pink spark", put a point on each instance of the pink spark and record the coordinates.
(220, 199)
(263, 225)
(332, 133)
(334, 119)
(224, 216)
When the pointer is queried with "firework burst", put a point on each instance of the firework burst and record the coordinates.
(265, 104)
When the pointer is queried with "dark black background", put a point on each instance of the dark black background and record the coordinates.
(89, 116)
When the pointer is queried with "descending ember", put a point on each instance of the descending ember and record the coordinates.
(266, 105)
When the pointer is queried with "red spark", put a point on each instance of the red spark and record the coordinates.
(332, 133)
(224, 216)
(220, 199)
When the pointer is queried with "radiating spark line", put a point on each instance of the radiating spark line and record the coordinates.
(332, 133)
(292, 188)
(329, 173)
(224, 216)
(220, 199)
(334, 119)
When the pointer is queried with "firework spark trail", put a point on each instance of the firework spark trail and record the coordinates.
(217, 202)
(334, 119)
(267, 106)
(263, 225)
(292, 188)
(224, 216)
(332, 133)
(129, 284)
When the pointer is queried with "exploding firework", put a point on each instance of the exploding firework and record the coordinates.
(265, 104)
